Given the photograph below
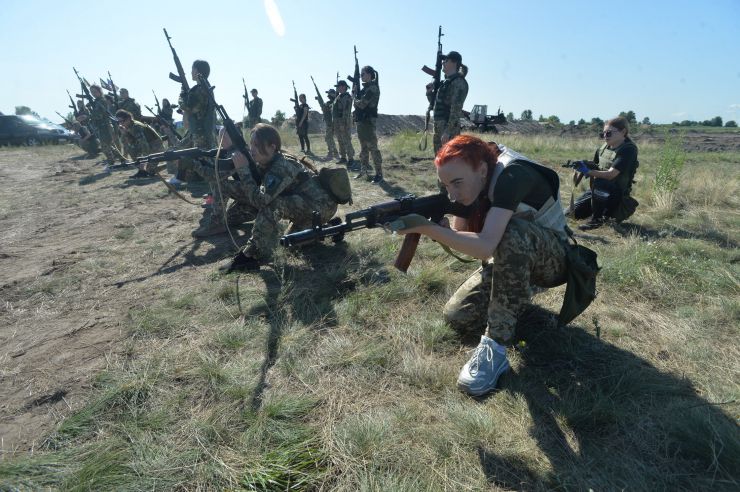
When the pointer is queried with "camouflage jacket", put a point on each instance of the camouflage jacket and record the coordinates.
(201, 115)
(140, 139)
(366, 103)
(131, 106)
(326, 109)
(99, 114)
(449, 103)
(284, 175)
(341, 110)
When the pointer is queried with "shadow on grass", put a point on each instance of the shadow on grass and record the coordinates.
(607, 419)
(647, 233)
(306, 293)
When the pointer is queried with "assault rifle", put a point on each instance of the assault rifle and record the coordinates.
(433, 207)
(573, 164)
(295, 102)
(356, 78)
(67, 121)
(84, 86)
(162, 121)
(173, 155)
(433, 86)
(114, 90)
(246, 96)
(318, 94)
(180, 78)
(72, 105)
(235, 135)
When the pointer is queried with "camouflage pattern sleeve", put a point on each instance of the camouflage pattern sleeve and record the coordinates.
(458, 93)
(279, 176)
(370, 97)
(196, 102)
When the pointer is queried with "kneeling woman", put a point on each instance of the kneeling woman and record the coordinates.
(284, 189)
(517, 229)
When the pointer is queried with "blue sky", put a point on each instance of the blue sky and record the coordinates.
(668, 60)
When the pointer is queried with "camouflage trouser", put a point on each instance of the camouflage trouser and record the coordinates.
(344, 139)
(329, 137)
(91, 145)
(107, 140)
(528, 255)
(369, 146)
(252, 122)
(439, 128)
(266, 231)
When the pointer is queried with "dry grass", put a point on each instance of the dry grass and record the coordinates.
(329, 371)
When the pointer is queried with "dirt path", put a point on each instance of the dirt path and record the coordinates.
(68, 277)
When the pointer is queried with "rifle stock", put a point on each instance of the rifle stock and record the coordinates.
(433, 207)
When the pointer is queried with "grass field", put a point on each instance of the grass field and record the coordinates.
(330, 371)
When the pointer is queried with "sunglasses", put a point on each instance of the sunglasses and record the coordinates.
(606, 134)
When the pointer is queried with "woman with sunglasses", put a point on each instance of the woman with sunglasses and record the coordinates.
(612, 182)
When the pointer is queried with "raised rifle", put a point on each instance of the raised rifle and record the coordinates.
(356, 78)
(433, 207)
(162, 120)
(433, 86)
(84, 86)
(235, 135)
(72, 105)
(67, 121)
(296, 104)
(114, 90)
(246, 96)
(318, 94)
(180, 78)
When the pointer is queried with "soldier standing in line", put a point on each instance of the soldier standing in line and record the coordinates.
(100, 121)
(254, 110)
(198, 109)
(128, 103)
(138, 139)
(451, 95)
(341, 112)
(326, 109)
(366, 115)
(301, 123)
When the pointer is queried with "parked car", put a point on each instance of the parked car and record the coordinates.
(30, 130)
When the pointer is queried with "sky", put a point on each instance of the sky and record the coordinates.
(666, 60)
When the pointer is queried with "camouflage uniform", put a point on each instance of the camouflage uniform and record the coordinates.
(302, 114)
(201, 115)
(101, 125)
(327, 109)
(141, 139)
(366, 115)
(288, 190)
(448, 108)
(131, 106)
(341, 112)
(532, 252)
(254, 112)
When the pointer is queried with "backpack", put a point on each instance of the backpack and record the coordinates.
(336, 182)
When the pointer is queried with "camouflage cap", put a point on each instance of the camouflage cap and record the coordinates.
(454, 56)
(331, 91)
(342, 82)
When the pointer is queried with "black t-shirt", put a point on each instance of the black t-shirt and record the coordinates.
(520, 182)
(625, 161)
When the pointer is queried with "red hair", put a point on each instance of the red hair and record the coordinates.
(470, 149)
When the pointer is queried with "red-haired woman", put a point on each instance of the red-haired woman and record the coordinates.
(518, 231)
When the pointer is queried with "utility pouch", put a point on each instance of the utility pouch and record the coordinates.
(580, 290)
(336, 182)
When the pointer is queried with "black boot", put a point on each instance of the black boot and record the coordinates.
(240, 263)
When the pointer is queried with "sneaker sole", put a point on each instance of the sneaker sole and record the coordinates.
(480, 392)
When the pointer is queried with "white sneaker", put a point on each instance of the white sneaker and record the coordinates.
(480, 374)
(175, 182)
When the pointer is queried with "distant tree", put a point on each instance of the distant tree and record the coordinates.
(631, 117)
(596, 121)
(676, 123)
(541, 119)
(572, 122)
(510, 116)
(646, 121)
(527, 115)
(687, 123)
(716, 121)
(553, 119)
(278, 120)
(21, 110)
(581, 122)
(731, 124)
